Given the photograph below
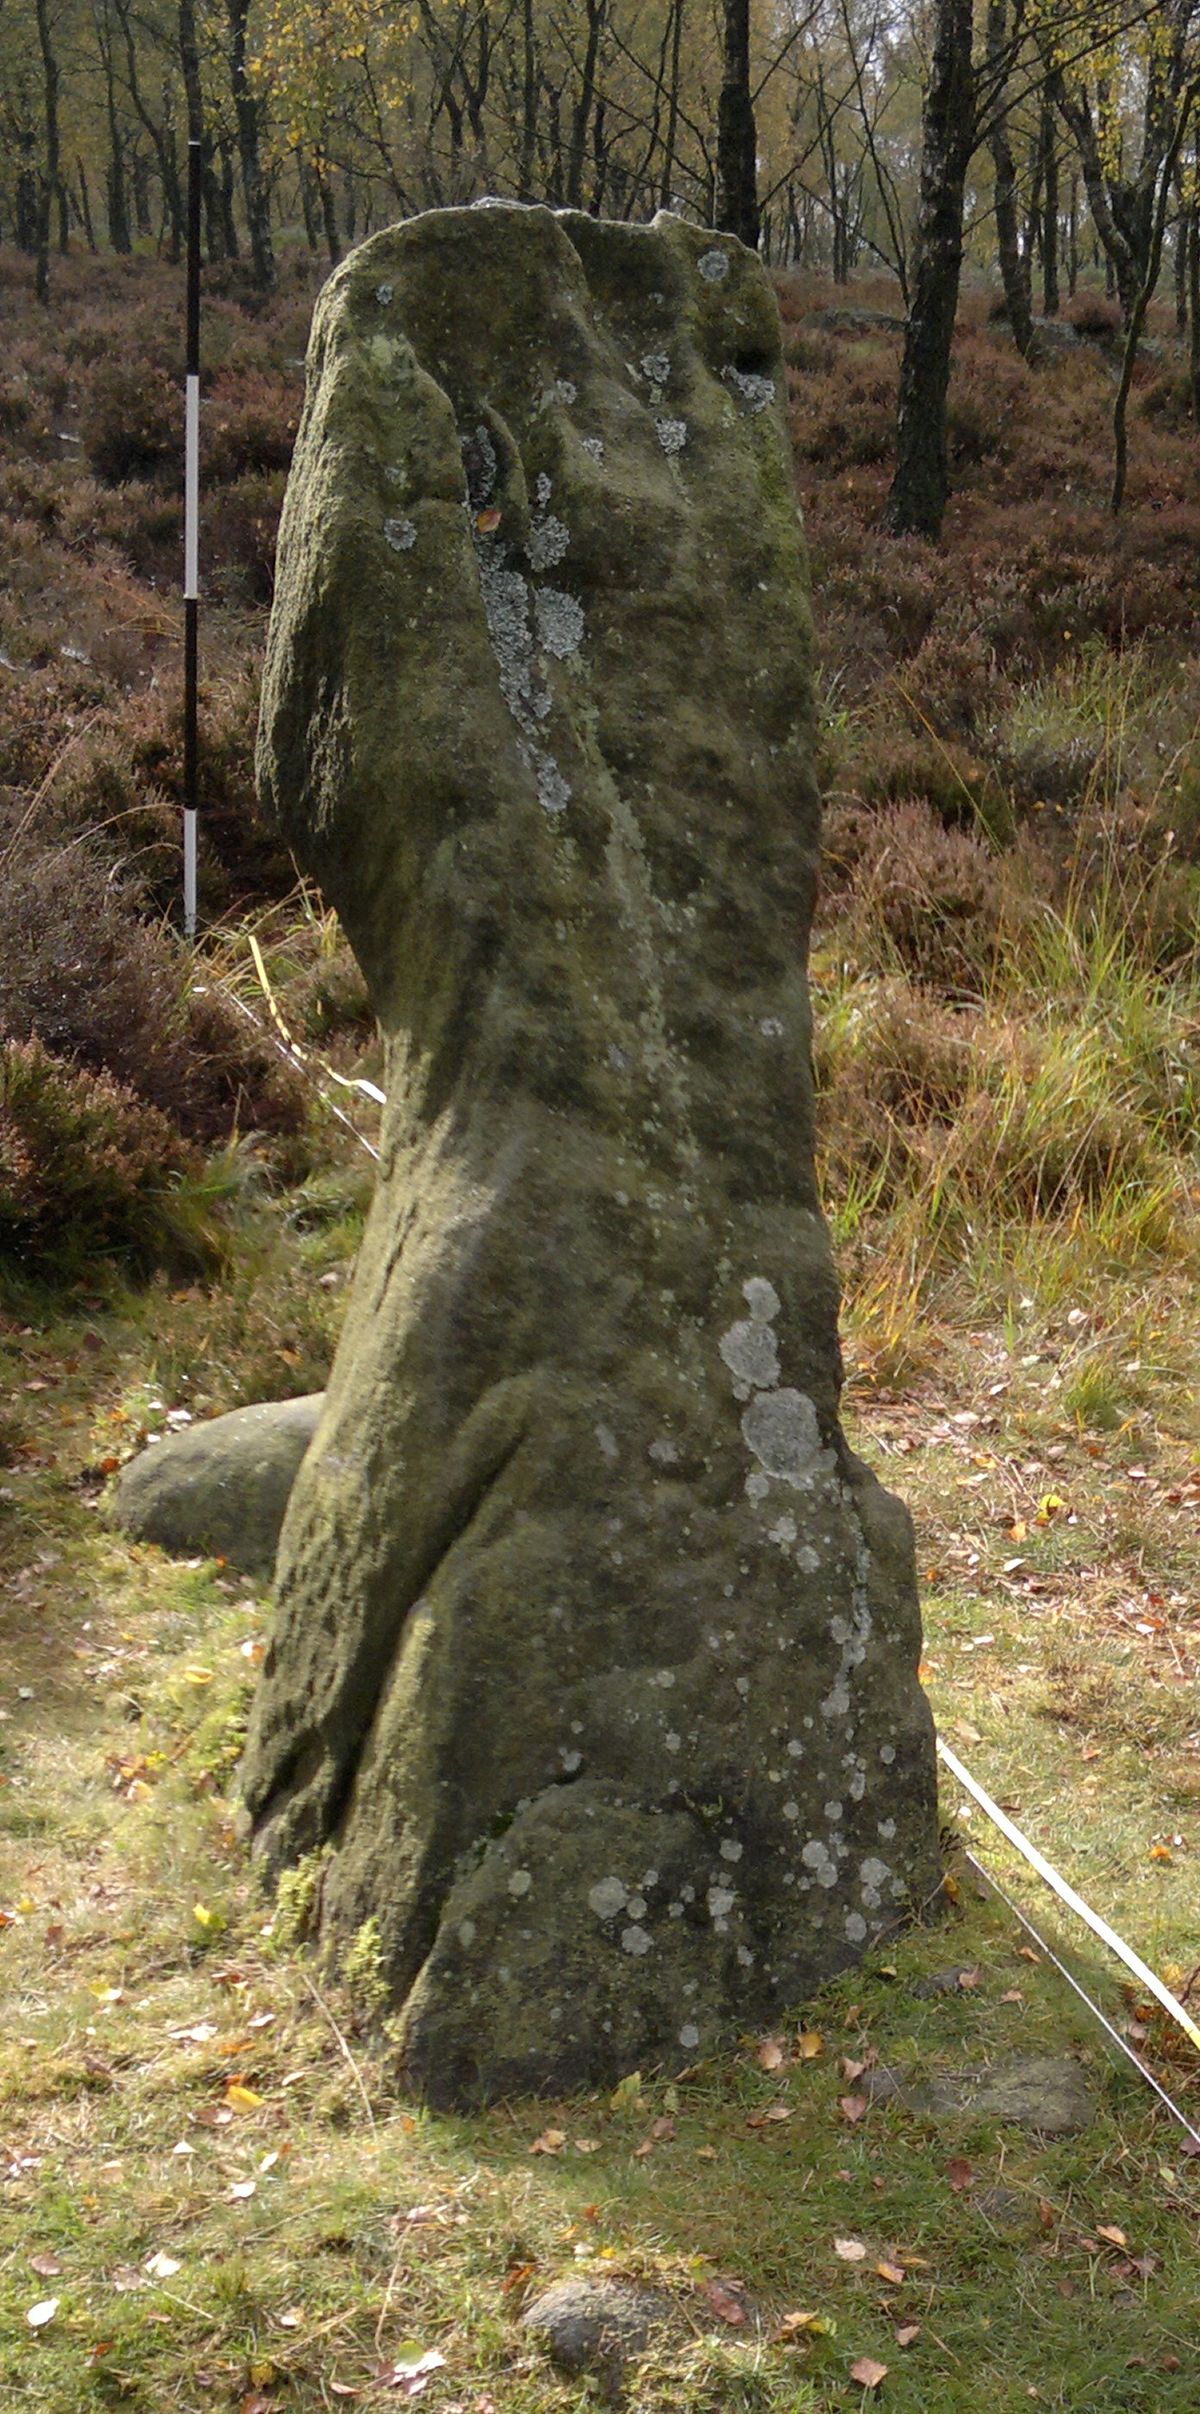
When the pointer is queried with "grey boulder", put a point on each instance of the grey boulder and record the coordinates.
(220, 1488)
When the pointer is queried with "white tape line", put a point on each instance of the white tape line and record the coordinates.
(191, 493)
(345, 1081)
(1074, 1902)
(994, 1886)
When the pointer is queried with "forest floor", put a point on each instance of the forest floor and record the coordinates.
(213, 2196)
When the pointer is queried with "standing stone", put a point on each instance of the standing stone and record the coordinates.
(596, 1649)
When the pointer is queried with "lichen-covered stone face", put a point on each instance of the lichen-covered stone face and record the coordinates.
(596, 1649)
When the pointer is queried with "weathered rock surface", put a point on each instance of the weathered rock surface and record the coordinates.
(1045, 2093)
(222, 1487)
(596, 1647)
(601, 2327)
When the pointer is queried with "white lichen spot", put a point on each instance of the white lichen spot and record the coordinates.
(837, 1701)
(466, 1934)
(635, 1940)
(383, 295)
(542, 489)
(674, 1910)
(608, 1443)
(874, 1872)
(593, 446)
(721, 1900)
(559, 621)
(520, 1882)
(746, 1957)
(757, 1486)
(664, 1677)
(795, 1748)
(731, 1850)
(400, 534)
(887, 1753)
(761, 1298)
(743, 1686)
(781, 1429)
(783, 1531)
(856, 1927)
(571, 1761)
(672, 434)
(808, 1560)
(791, 1810)
(833, 1812)
(656, 367)
(689, 2035)
(688, 1893)
(664, 1453)
(886, 1830)
(713, 266)
(554, 792)
(751, 1353)
(562, 390)
(636, 1906)
(672, 1741)
(549, 539)
(649, 1879)
(771, 1027)
(608, 1897)
(756, 392)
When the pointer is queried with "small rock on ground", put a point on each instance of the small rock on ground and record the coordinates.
(1046, 2094)
(600, 2327)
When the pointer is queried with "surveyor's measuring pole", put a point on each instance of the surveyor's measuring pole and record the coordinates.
(191, 544)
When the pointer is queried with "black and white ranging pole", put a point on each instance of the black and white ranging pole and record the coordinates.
(191, 546)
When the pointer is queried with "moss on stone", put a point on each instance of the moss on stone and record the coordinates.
(579, 1582)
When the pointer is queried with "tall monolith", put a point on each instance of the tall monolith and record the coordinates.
(596, 1649)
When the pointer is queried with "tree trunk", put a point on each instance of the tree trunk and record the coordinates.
(333, 241)
(1050, 210)
(48, 180)
(737, 145)
(921, 485)
(85, 207)
(671, 137)
(1193, 281)
(1014, 270)
(254, 185)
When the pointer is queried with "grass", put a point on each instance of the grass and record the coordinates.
(1008, 1003)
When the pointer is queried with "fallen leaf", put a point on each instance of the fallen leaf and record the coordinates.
(162, 2266)
(906, 2332)
(853, 2107)
(968, 1981)
(770, 2053)
(43, 2312)
(851, 2070)
(47, 2267)
(959, 2173)
(412, 2369)
(851, 2250)
(292, 2318)
(1109, 2230)
(551, 2141)
(586, 2145)
(795, 2325)
(1012, 1995)
(706, 2154)
(242, 2099)
(868, 2373)
(893, 2273)
(809, 2044)
(241, 2189)
(770, 2112)
(1161, 1852)
(488, 521)
(627, 2095)
(728, 2306)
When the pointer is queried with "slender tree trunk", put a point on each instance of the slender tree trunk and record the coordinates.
(529, 99)
(309, 204)
(582, 111)
(48, 180)
(1073, 237)
(1137, 316)
(85, 208)
(737, 143)
(671, 137)
(921, 484)
(248, 119)
(1014, 270)
(1050, 210)
(333, 241)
